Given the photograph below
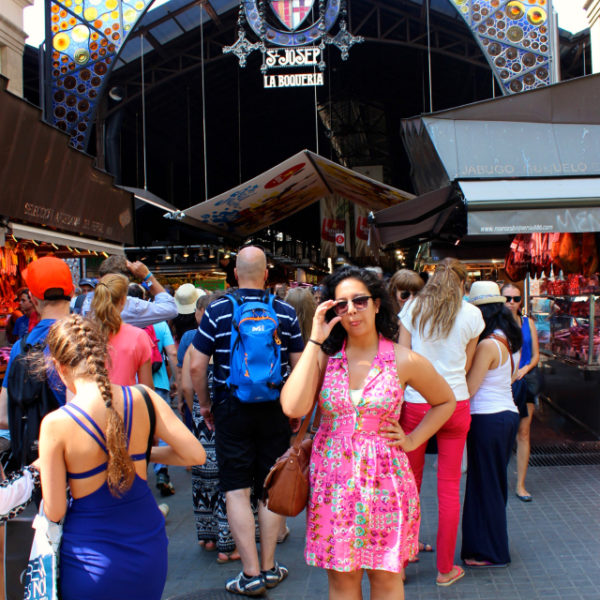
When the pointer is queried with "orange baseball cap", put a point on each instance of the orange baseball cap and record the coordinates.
(49, 278)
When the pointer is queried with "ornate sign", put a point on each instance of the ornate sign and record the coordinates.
(517, 38)
(300, 43)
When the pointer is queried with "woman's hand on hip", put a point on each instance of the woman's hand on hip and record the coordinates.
(391, 430)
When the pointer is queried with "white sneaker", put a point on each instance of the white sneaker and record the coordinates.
(164, 509)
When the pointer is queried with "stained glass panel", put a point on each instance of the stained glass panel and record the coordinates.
(516, 38)
(84, 38)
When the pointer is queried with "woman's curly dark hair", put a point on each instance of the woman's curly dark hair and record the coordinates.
(497, 316)
(386, 322)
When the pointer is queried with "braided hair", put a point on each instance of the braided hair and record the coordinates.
(78, 344)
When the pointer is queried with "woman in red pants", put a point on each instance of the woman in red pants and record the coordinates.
(444, 328)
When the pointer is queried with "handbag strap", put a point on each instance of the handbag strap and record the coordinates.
(306, 421)
(502, 340)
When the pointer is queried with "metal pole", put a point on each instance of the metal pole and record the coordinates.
(143, 112)
(203, 105)
(429, 58)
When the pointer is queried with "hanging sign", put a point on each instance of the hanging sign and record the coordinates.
(289, 58)
(292, 34)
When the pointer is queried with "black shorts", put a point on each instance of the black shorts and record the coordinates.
(249, 438)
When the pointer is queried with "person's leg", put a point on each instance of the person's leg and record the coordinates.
(523, 450)
(269, 524)
(163, 481)
(345, 586)
(272, 439)
(485, 536)
(451, 443)
(385, 585)
(241, 522)
(412, 414)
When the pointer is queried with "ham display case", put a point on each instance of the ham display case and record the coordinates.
(568, 327)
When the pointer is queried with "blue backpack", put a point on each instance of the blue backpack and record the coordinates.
(255, 367)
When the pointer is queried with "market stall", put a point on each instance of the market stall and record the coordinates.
(54, 201)
(563, 288)
(527, 166)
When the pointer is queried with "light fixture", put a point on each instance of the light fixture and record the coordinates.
(168, 255)
(186, 253)
(14, 238)
(105, 254)
(53, 245)
(212, 253)
(116, 93)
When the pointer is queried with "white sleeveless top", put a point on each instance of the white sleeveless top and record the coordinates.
(495, 394)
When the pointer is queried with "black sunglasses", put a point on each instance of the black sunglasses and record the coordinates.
(405, 295)
(359, 302)
(512, 298)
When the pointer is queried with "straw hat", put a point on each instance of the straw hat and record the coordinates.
(185, 298)
(485, 292)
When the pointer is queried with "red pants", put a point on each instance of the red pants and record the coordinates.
(451, 443)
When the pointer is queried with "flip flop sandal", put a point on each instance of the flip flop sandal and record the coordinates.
(485, 564)
(459, 575)
(284, 536)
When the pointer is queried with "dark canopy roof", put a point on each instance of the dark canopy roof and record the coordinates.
(520, 164)
(44, 181)
(549, 132)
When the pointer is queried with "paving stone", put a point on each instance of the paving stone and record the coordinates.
(554, 541)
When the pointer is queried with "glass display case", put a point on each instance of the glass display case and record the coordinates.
(568, 327)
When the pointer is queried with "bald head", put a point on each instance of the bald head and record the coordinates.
(251, 267)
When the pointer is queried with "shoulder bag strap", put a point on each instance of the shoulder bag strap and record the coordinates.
(500, 339)
(305, 422)
(151, 415)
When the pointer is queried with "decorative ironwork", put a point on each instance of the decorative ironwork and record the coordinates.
(516, 37)
(243, 47)
(83, 39)
(292, 14)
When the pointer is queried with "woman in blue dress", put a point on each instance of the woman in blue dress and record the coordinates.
(523, 394)
(114, 543)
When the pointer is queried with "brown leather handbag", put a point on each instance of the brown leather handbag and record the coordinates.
(287, 484)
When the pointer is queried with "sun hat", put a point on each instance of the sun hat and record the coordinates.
(185, 298)
(49, 278)
(485, 292)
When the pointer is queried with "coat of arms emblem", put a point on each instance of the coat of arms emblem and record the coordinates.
(292, 13)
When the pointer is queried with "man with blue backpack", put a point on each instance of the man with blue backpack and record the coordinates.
(255, 340)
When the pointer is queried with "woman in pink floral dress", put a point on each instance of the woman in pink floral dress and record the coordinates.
(363, 513)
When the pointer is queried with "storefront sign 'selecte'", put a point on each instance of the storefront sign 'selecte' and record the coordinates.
(300, 45)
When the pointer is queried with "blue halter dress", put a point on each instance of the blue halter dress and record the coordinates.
(112, 548)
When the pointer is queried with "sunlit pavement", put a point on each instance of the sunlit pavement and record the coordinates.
(554, 541)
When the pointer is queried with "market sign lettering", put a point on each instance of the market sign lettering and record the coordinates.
(292, 57)
(297, 80)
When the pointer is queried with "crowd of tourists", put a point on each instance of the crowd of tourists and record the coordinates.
(125, 374)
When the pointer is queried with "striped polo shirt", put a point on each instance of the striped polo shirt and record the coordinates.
(213, 337)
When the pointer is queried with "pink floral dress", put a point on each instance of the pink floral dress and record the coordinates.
(363, 511)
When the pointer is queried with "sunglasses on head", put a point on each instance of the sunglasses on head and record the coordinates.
(512, 298)
(359, 302)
